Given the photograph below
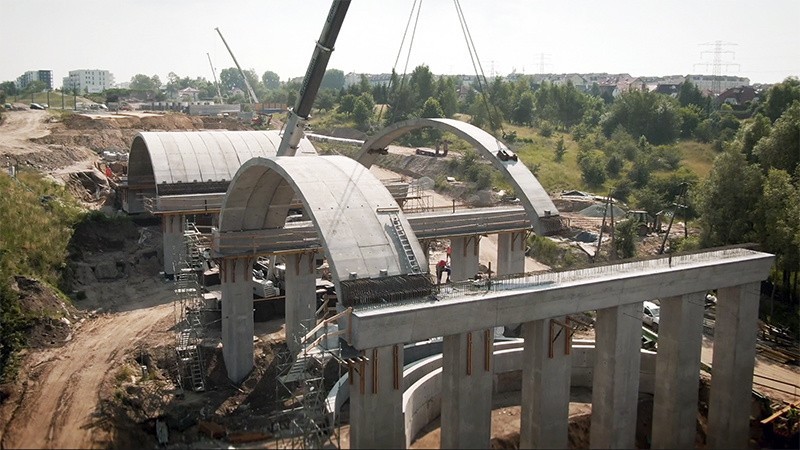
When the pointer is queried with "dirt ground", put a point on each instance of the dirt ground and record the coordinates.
(104, 376)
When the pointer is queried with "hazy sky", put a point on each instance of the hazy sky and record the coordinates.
(156, 37)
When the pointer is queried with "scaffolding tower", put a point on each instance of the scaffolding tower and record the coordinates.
(188, 307)
(302, 418)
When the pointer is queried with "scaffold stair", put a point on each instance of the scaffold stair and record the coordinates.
(404, 242)
(297, 371)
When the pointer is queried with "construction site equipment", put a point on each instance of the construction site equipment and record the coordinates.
(250, 92)
(316, 70)
(645, 223)
(214, 73)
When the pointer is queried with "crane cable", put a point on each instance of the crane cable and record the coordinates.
(408, 57)
(473, 54)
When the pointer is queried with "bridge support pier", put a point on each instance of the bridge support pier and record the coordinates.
(735, 334)
(680, 339)
(464, 257)
(511, 253)
(615, 387)
(467, 377)
(546, 371)
(237, 316)
(172, 227)
(376, 399)
(301, 297)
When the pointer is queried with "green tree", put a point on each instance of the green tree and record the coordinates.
(271, 80)
(8, 87)
(347, 104)
(625, 238)
(333, 79)
(523, 112)
(648, 114)
(779, 97)
(691, 115)
(781, 149)
(778, 225)
(34, 87)
(432, 109)
(422, 87)
(689, 94)
(561, 149)
(593, 170)
(326, 99)
(447, 95)
(362, 112)
(728, 199)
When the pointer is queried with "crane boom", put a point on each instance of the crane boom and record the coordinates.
(219, 94)
(250, 92)
(316, 70)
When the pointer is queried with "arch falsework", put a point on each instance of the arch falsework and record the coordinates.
(352, 212)
(540, 208)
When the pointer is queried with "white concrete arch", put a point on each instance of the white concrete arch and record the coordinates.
(206, 160)
(350, 208)
(541, 210)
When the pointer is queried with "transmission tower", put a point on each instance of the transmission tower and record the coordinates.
(718, 63)
(543, 61)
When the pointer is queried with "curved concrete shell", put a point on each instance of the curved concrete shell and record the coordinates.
(351, 209)
(541, 210)
(165, 163)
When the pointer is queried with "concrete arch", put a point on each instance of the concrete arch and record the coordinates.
(350, 208)
(541, 210)
(198, 162)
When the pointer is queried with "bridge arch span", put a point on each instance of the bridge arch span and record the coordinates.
(540, 208)
(352, 211)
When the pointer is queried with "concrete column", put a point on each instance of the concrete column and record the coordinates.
(546, 371)
(735, 333)
(464, 259)
(680, 339)
(236, 275)
(376, 399)
(301, 297)
(615, 388)
(172, 226)
(510, 253)
(467, 377)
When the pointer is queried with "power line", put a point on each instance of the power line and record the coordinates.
(718, 63)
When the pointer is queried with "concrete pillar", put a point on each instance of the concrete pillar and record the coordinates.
(301, 297)
(467, 376)
(464, 259)
(680, 339)
(236, 275)
(546, 371)
(511, 253)
(172, 226)
(615, 388)
(735, 333)
(376, 399)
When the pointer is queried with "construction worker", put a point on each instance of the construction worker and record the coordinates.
(440, 268)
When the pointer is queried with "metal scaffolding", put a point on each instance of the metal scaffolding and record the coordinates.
(302, 418)
(188, 307)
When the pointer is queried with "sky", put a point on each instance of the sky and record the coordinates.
(758, 39)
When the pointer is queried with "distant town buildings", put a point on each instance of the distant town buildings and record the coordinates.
(45, 76)
(90, 81)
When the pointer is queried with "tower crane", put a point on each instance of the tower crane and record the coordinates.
(251, 94)
(316, 70)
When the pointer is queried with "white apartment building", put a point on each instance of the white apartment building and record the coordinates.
(90, 81)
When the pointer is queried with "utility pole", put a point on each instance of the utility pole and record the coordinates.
(718, 63)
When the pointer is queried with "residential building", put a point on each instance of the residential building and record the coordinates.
(90, 81)
(45, 76)
(717, 83)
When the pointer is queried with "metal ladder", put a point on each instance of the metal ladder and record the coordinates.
(409, 252)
